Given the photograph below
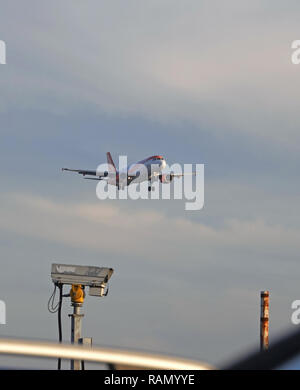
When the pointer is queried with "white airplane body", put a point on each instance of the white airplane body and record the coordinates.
(144, 170)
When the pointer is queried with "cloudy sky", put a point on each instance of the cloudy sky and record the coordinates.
(196, 81)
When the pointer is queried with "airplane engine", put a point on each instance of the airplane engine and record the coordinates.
(166, 178)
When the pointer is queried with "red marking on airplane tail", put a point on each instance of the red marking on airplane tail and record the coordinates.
(111, 164)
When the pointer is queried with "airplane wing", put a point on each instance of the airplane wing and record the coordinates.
(172, 174)
(183, 174)
(87, 172)
(168, 177)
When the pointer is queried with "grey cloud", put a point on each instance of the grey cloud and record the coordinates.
(204, 63)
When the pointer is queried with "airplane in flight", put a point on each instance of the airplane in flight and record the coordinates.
(144, 170)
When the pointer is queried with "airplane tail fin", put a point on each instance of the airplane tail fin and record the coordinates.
(111, 164)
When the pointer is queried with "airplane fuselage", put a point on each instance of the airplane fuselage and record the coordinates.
(138, 172)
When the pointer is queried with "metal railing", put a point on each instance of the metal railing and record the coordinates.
(101, 355)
